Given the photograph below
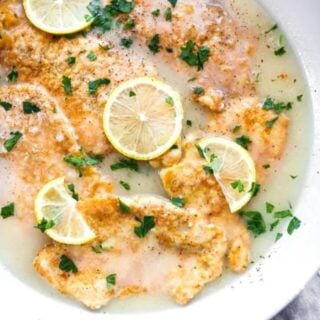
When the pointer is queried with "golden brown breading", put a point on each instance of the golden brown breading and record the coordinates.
(178, 257)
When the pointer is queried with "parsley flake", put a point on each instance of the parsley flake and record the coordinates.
(299, 98)
(7, 211)
(94, 85)
(243, 141)
(198, 90)
(130, 164)
(74, 194)
(237, 185)
(6, 105)
(29, 108)
(71, 61)
(13, 75)
(125, 185)
(45, 225)
(11, 142)
(194, 56)
(280, 52)
(294, 224)
(274, 27)
(124, 208)
(189, 123)
(277, 107)
(173, 2)
(130, 24)
(132, 93)
(270, 123)
(92, 56)
(269, 207)
(156, 13)
(278, 236)
(168, 14)
(126, 42)
(283, 214)
(154, 44)
(274, 224)
(146, 225)
(255, 188)
(169, 100)
(255, 222)
(111, 280)
(67, 265)
(178, 202)
(66, 82)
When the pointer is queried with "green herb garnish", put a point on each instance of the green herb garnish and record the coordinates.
(132, 93)
(269, 207)
(156, 13)
(71, 61)
(278, 236)
(94, 85)
(278, 107)
(126, 42)
(29, 108)
(6, 105)
(173, 2)
(294, 224)
(7, 211)
(236, 128)
(154, 44)
(66, 82)
(255, 188)
(198, 90)
(283, 214)
(169, 100)
(13, 75)
(130, 164)
(145, 226)
(280, 52)
(74, 194)
(274, 224)
(10, 143)
(274, 27)
(67, 265)
(111, 280)
(189, 123)
(237, 185)
(299, 98)
(178, 202)
(168, 14)
(270, 123)
(45, 225)
(125, 185)
(255, 222)
(92, 56)
(194, 56)
(124, 208)
(243, 141)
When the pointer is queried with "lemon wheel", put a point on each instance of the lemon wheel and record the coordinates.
(143, 118)
(233, 168)
(58, 16)
(54, 205)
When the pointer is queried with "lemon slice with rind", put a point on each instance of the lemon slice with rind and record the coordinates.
(143, 118)
(233, 168)
(58, 16)
(54, 204)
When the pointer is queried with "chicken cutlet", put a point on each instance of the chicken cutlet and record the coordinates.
(35, 137)
(177, 257)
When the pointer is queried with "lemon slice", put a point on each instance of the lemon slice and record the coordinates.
(143, 118)
(54, 203)
(233, 168)
(58, 16)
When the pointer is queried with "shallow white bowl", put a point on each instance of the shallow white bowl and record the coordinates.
(290, 266)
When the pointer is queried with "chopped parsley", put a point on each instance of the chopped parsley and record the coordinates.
(294, 224)
(11, 142)
(198, 90)
(173, 2)
(236, 128)
(111, 280)
(189, 123)
(255, 222)
(283, 214)
(293, 177)
(94, 85)
(237, 185)
(200, 151)
(194, 56)
(280, 52)
(169, 100)
(130, 164)
(13, 75)
(208, 169)
(270, 123)
(278, 236)
(255, 188)
(299, 98)
(156, 13)
(269, 207)
(130, 24)
(154, 44)
(67, 265)
(274, 27)
(145, 226)
(6, 105)
(92, 56)
(74, 194)
(168, 14)
(178, 202)
(132, 94)
(97, 249)
(274, 224)
(125, 185)
(126, 42)
(29, 108)
(82, 161)
(243, 141)
(71, 61)
(66, 82)
(174, 146)
(45, 225)
(124, 208)
(266, 166)
(7, 211)
(169, 50)
(277, 107)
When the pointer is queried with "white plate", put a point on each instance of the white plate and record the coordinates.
(291, 265)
